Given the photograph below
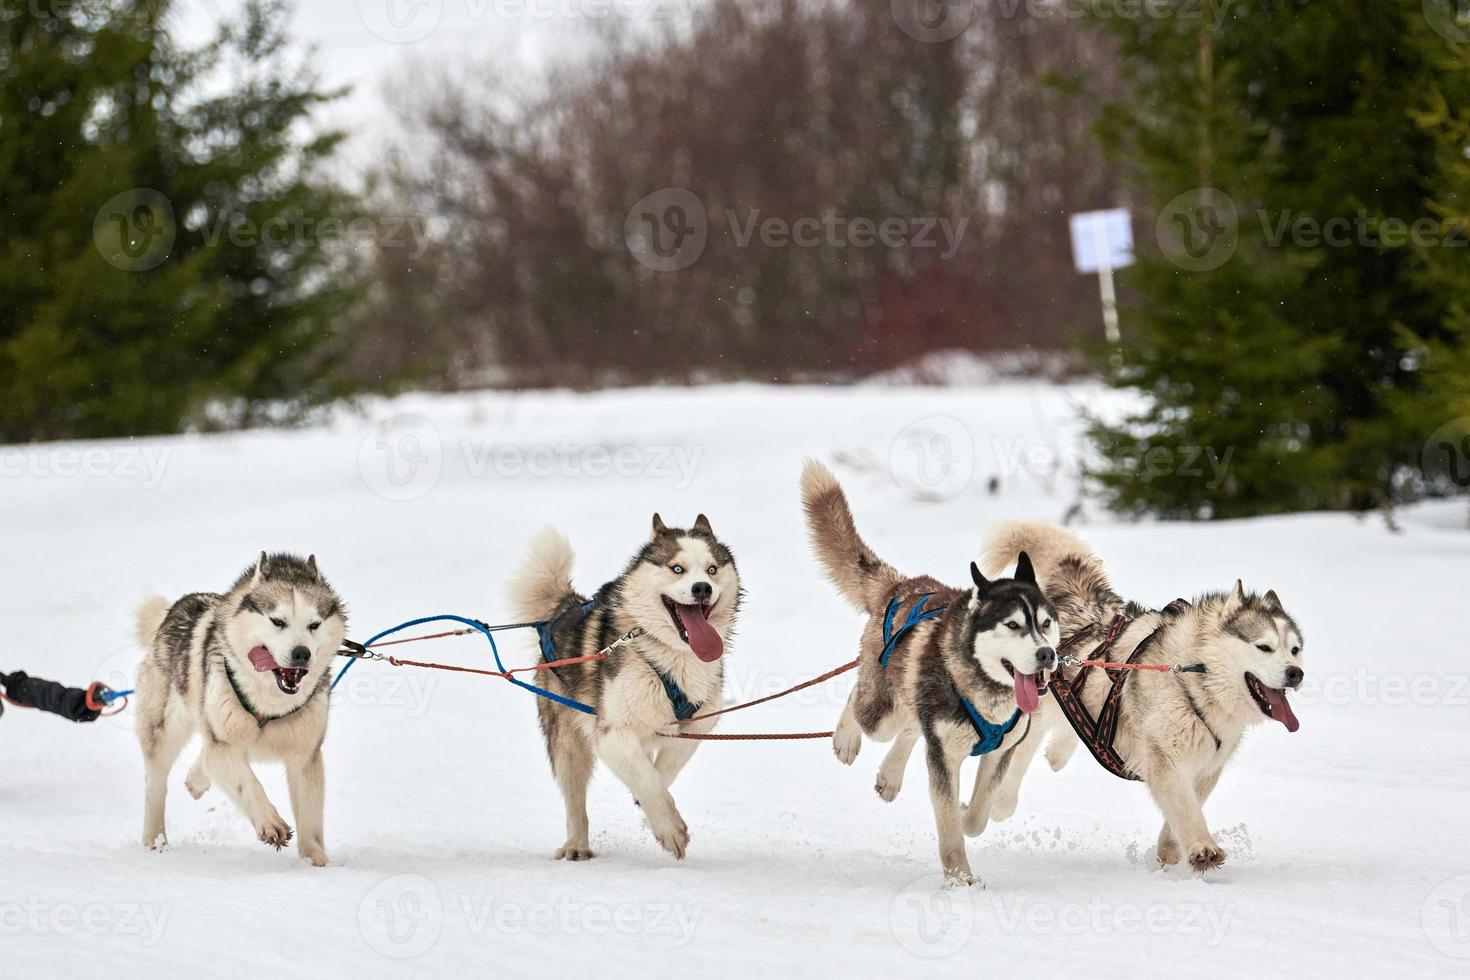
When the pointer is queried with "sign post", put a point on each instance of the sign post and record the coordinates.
(1101, 242)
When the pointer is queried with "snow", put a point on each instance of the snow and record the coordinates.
(1346, 840)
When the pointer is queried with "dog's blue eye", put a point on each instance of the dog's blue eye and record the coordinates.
(712, 570)
(677, 569)
(279, 624)
(1263, 648)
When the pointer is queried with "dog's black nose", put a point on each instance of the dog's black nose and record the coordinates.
(1046, 659)
(1294, 675)
(300, 657)
(702, 591)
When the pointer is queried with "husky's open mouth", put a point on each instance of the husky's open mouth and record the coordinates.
(692, 624)
(1029, 687)
(1273, 703)
(288, 679)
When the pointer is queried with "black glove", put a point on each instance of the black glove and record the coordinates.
(48, 696)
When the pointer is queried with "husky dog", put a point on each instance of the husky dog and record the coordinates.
(960, 679)
(249, 671)
(678, 597)
(1176, 730)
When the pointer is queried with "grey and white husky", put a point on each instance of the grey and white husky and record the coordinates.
(249, 671)
(961, 679)
(1176, 731)
(675, 603)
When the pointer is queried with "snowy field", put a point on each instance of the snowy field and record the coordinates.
(1347, 840)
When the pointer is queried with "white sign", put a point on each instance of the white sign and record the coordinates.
(1102, 239)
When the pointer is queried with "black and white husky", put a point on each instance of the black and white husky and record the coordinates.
(249, 671)
(961, 669)
(1176, 731)
(674, 608)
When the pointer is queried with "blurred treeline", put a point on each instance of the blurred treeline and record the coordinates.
(762, 109)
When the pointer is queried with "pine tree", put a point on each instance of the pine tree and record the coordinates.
(1273, 331)
(139, 288)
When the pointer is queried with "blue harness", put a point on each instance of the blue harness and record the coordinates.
(683, 708)
(990, 735)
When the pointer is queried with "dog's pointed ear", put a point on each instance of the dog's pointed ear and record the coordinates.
(262, 570)
(659, 527)
(1236, 599)
(701, 524)
(1272, 600)
(316, 574)
(982, 584)
(1024, 571)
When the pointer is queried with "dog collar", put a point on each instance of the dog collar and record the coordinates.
(260, 719)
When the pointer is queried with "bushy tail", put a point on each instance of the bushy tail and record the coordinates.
(545, 576)
(150, 615)
(860, 575)
(1064, 564)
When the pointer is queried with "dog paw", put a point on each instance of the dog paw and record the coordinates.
(1168, 851)
(197, 784)
(959, 878)
(845, 745)
(887, 788)
(274, 832)
(315, 855)
(674, 837)
(1203, 857)
(574, 851)
(156, 841)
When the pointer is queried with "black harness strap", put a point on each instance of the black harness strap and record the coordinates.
(1069, 697)
(1099, 733)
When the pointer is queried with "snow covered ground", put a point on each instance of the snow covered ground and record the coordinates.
(1346, 840)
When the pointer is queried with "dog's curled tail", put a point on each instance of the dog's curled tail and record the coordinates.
(860, 575)
(1064, 564)
(151, 613)
(544, 578)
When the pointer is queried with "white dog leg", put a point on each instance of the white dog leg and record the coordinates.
(1176, 797)
(229, 767)
(675, 753)
(890, 773)
(622, 751)
(944, 795)
(307, 783)
(197, 782)
(848, 739)
(161, 747)
(1008, 788)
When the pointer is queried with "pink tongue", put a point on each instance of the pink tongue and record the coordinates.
(1281, 709)
(1026, 697)
(261, 660)
(703, 639)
